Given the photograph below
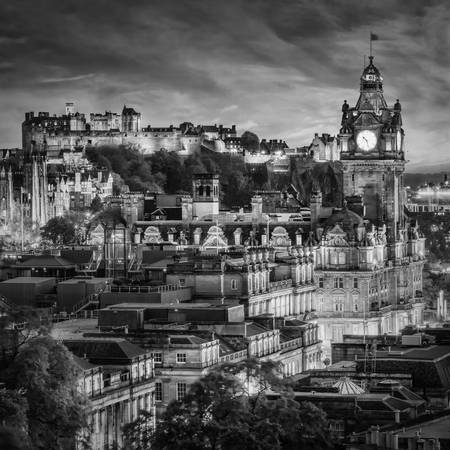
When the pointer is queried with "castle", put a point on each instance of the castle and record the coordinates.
(72, 130)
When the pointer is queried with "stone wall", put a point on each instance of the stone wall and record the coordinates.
(147, 142)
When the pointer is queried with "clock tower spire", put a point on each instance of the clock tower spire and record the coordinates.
(371, 143)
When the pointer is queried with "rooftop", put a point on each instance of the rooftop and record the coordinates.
(27, 280)
(431, 353)
(170, 306)
(46, 261)
(437, 428)
(119, 350)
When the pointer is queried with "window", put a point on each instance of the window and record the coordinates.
(181, 357)
(320, 302)
(158, 391)
(157, 357)
(181, 391)
(338, 301)
(355, 283)
(321, 282)
(234, 284)
(339, 282)
(182, 281)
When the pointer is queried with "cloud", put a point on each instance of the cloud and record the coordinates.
(67, 79)
(229, 108)
(279, 68)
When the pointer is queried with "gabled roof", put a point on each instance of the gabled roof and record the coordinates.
(105, 351)
(77, 256)
(83, 363)
(46, 261)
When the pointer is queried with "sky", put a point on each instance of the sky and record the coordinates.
(279, 68)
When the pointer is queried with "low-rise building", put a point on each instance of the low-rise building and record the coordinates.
(118, 379)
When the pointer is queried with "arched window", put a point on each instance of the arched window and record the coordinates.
(208, 191)
(200, 191)
(333, 257)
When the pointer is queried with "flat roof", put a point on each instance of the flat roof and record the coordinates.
(170, 306)
(73, 329)
(431, 353)
(85, 280)
(27, 280)
(437, 428)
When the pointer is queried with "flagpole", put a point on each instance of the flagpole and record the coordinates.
(370, 39)
(21, 219)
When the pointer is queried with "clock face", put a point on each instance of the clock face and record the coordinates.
(366, 140)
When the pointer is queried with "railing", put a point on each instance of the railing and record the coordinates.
(381, 309)
(90, 299)
(403, 306)
(236, 356)
(60, 317)
(144, 289)
(277, 285)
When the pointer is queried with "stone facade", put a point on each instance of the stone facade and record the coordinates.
(72, 130)
(118, 379)
(369, 260)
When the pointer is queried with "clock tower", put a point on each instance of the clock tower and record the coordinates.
(371, 143)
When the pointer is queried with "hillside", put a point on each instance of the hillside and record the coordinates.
(168, 172)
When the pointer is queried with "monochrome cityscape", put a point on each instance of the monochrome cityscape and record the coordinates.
(199, 286)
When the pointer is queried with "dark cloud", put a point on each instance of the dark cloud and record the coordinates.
(280, 68)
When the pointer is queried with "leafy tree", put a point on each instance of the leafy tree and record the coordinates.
(45, 372)
(59, 230)
(250, 141)
(96, 204)
(111, 216)
(12, 440)
(17, 327)
(229, 409)
(13, 413)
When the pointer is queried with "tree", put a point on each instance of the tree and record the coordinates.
(250, 141)
(17, 327)
(12, 440)
(96, 205)
(13, 413)
(46, 373)
(229, 409)
(59, 230)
